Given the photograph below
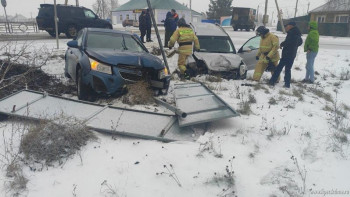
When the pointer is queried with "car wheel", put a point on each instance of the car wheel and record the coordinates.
(247, 29)
(235, 29)
(82, 89)
(109, 27)
(71, 31)
(242, 77)
(67, 75)
(53, 33)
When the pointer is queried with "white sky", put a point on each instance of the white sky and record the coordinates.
(28, 7)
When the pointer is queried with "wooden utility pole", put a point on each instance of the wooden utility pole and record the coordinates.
(257, 14)
(280, 18)
(265, 15)
(296, 9)
(56, 25)
(191, 10)
(76, 2)
(308, 7)
(158, 36)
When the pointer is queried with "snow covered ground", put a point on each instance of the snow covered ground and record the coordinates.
(289, 143)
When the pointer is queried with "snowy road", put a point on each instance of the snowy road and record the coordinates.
(238, 38)
(285, 141)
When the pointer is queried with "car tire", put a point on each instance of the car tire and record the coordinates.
(71, 31)
(242, 77)
(82, 89)
(247, 29)
(109, 27)
(53, 33)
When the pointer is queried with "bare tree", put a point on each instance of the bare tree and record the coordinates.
(103, 8)
(18, 61)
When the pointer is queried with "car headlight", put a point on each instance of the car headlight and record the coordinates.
(242, 68)
(97, 66)
(163, 73)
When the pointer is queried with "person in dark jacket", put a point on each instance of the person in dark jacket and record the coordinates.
(311, 48)
(170, 24)
(289, 52)
(148, 26)
(143, 25)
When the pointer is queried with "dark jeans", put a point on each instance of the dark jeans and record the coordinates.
(143, 33)
(148, 33)
(168, 34)
(287, 63)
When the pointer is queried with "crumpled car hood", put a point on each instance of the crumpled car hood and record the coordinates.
(115, 57)
(219, 61)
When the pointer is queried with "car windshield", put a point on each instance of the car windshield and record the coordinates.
(113, 41)
(216, 44)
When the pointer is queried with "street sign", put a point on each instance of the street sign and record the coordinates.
(3, 3)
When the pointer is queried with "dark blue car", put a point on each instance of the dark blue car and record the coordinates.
(102, 61)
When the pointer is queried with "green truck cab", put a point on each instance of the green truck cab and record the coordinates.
(243, 18)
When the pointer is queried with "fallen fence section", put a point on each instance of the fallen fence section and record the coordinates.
(134, 123)
(200, 104)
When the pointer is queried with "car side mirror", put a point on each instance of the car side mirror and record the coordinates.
(73, 44)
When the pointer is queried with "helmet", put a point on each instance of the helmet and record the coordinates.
(181, 22)
(262, 30)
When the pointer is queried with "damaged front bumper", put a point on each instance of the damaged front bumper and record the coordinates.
(114, 84)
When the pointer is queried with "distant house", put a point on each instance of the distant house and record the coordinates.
(335, 11)
(333, 18)
(132, 10)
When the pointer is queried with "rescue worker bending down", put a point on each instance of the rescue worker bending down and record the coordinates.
(268, 52)
(185, 37)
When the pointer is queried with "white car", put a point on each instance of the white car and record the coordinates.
(218, 54)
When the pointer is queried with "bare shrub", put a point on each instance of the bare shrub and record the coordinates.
(251, 98)
(345, 75)
(345, 107)
(56, 140)
(272, 101)
(299, 94)
(321, 94)
(20, 67)
(10, 158)
(244, 108)
(226, 180)
(109, 190)
(279, 132)
(139, 93)
(170, 171)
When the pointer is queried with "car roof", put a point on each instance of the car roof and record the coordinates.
(208, 29)
(44, 5)
(103, 30)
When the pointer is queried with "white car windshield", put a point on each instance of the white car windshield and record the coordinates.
(113, 41)
(216, 44)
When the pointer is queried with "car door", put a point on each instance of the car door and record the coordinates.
(73, 56)
(91, 19)
(248, 52)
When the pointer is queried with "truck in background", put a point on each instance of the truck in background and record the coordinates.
(243, 18)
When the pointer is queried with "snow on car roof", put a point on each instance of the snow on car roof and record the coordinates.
(208, 29)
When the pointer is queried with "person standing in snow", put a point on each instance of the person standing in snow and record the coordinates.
(268, 52)
(311, 48)
(185, 37)
(143, 25)
(148, 26)
(170, 25)
(289, 52)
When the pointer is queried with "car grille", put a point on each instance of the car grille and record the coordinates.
(131, 73)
